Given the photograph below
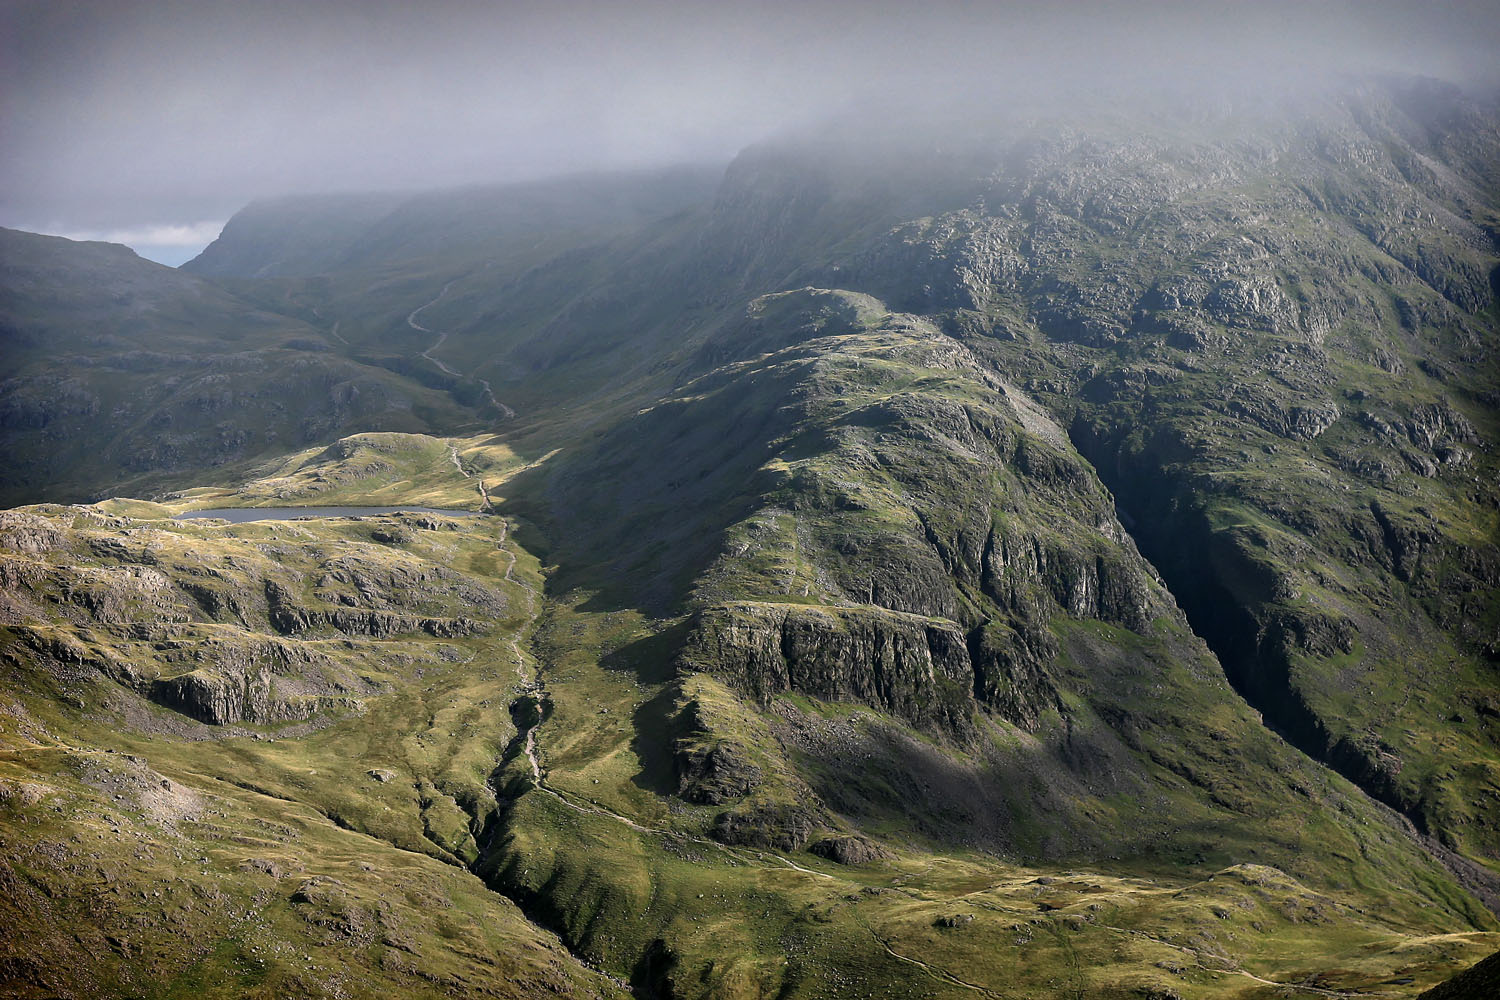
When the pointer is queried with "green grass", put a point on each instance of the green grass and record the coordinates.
(297, 801)
(1135, 831)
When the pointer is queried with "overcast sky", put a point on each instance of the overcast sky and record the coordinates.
(150, 122)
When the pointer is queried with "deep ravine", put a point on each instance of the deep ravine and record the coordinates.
(1162, 532)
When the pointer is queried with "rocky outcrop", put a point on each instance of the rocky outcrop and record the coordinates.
(1023, 568)
(217, 681)
(715, 774)
(260, 681)
(710, 770)
(16, 574)
(914, 668)
(957, 261)
(27, 533)
(1431, 438)
(64, 655)
(325, 904)
(292, 618)
(778, 826)
(847, 850)
(1011, 676)
(394, 581)
(121, 594)
(1300, 421)
(218, 700)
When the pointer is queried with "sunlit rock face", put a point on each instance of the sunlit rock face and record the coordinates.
(906, 545)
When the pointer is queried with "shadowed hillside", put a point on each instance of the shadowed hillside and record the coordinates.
(1016, 553)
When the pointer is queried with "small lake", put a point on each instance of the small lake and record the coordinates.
(240, 515)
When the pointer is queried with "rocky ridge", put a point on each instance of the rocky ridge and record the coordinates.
(882, 428)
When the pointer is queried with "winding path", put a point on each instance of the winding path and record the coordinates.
(941, 975)
(411, 321)
(334, 333)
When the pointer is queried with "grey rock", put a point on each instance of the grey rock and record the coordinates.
(847, 850)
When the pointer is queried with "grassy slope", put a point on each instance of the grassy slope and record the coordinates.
(1235, 474)
(168, 857)
(732, 921)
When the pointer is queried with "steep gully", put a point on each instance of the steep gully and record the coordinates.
(530, 710)
(1177, 541)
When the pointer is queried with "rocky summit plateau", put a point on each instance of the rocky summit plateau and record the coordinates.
(1005, 554)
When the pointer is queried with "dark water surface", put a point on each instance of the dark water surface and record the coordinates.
(239, 515)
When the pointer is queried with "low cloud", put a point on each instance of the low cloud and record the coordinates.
(151, 236)
(128, 117)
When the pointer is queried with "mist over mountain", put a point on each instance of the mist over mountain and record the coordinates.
(142, 120)
(681, 501)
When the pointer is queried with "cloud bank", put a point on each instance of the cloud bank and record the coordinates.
(128, 116)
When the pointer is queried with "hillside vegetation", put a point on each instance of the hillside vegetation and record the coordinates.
(1020, 556)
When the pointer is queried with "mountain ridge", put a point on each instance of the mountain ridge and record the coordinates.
(983, 512)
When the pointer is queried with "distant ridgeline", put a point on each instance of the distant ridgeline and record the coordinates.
(1039, 555)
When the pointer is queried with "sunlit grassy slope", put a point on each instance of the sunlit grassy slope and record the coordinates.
(373, 823)
(814, 514)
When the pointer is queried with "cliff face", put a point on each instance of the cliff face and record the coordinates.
(913, 668)
(1080, 489)
(258, 682)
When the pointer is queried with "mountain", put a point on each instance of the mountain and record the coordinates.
(1024, 551)
(312, 235)
(118, 371)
